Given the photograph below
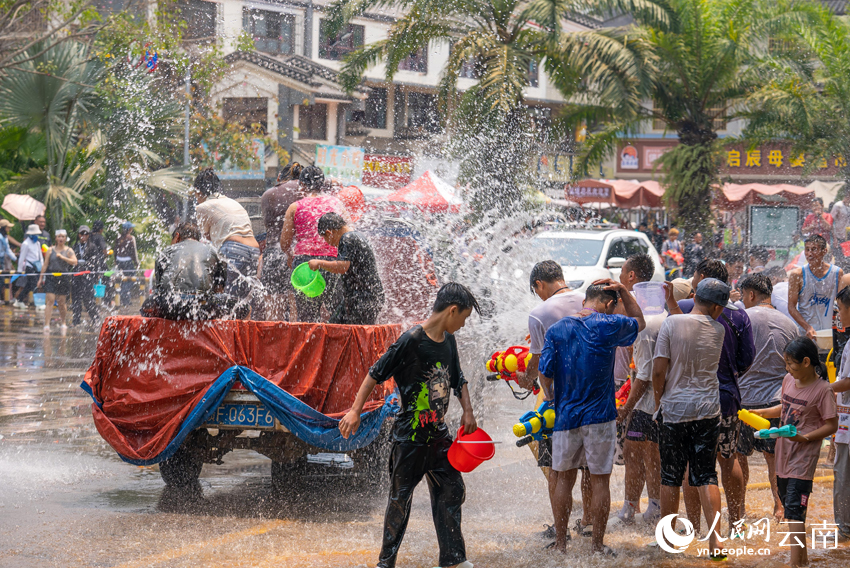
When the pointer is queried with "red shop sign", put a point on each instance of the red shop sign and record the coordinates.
(387, 172)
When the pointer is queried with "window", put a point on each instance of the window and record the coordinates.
(568, 251)
(719, 120)
(422, 112)
(534, 73)
(376, 109)
(247, 112)
(200, 20)
(336, 48)
(313, 122)
(417, 61)
(624, 248)
(658, 124)
(273, 32)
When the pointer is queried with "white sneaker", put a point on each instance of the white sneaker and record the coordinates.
(19, 305)
(47, 329)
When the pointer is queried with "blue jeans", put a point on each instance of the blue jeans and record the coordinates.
(242, 262)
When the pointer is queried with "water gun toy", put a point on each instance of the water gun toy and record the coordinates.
(535, 425)
(755, 421)
(44, 248)
(787, 431)
(506, 364)
(622, 395)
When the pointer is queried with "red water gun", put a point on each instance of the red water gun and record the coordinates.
(622, 395)
(506, 364)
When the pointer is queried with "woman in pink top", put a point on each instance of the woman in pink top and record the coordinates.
(300, 239)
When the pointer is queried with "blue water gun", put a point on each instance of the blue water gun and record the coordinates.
(787, 431)
(535, 425)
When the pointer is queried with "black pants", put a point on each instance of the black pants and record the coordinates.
(310, 309)
(200, 309)
(357, 311)
(409, 463)
(82, 296)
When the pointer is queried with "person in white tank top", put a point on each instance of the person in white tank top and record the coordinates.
(812, 289)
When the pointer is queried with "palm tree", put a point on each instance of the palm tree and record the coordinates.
(809, 103)
(694, 68)
(50, 91)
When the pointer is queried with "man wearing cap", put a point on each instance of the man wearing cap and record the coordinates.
(687, 399)
(44, 234)
(736, 357)
(30, 260)
(82, 287)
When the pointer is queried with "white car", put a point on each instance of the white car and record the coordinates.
(588, 255)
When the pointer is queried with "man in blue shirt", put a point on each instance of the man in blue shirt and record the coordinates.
(737, 356)
(578, 357)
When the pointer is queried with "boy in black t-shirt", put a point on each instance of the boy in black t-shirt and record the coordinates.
(362, 291)
(425, 365)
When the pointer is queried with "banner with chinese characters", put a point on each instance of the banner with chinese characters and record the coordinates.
(345, 163)
(387, 172)
(763, 161)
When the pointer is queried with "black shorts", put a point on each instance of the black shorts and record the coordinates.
(544, 452)
(642, 428)
(727, 437)
(747, 441)
(59, 285)
(794, 494)
(688, 445)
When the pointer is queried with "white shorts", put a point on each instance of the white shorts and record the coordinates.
(591, 446)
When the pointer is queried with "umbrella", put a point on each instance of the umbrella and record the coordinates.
(428, 193)
(23, 207)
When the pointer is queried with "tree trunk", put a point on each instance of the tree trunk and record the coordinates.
(690, 176)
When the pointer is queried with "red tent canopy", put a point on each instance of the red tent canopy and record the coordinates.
(428, 193)
(738, 196)
(619, 192)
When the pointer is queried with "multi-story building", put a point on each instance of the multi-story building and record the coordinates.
(289, 82)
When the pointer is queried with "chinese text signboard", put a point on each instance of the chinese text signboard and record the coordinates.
(345, 163)
(774, 159)
(387, 172)
(588, 192)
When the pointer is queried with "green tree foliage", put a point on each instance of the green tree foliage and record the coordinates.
(693, 60)
(807, 101)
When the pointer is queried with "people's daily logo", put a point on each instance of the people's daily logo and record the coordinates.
(666, 533)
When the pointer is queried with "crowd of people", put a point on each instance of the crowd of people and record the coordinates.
(227, 275)
(720, 345)
(66, 274)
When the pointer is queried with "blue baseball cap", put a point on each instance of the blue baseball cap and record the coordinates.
(715, 291)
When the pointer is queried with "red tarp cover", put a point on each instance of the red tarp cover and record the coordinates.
(149, 373)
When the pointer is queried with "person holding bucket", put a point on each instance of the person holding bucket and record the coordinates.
(300, 239)
(425, 365)
(362, 291)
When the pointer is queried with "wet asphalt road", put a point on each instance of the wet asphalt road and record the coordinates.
(67, 500)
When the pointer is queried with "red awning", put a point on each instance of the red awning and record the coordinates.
(429, 193)
(738, 196)
(620, 193)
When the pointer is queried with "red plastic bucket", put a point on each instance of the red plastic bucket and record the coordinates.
(466, 457)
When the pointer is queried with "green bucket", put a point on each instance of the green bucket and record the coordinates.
(308, 282)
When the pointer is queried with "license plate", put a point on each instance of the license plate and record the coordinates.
(249, 415)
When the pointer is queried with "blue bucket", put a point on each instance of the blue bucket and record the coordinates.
(39, 299)
(99, 290)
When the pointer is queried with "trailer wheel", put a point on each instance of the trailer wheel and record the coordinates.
(183, 468)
